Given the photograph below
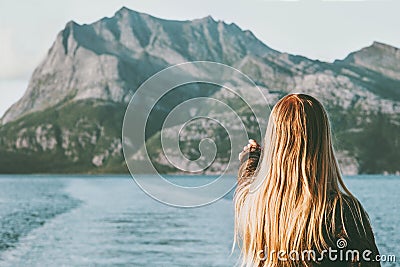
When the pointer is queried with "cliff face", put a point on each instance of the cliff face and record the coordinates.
(69, 119)
(110, 58)
(378, 57)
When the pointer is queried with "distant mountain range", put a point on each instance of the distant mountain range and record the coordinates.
(70, 117)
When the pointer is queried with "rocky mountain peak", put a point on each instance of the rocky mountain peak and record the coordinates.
(70, 117)
(125, 12)
(207, 19)
(384, 47)
(378, 57)
(111, 57)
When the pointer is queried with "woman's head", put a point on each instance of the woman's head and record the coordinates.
(296, 187)
(298, 142)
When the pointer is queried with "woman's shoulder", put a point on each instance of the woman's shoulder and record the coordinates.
(352, 230)
(354, 226)
(351, 218)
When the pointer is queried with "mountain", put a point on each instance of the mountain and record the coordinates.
(378, 57)
(106, 59)
(70, 117)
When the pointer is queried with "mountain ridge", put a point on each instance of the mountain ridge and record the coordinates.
(103, 63)
(72, 26)
(76, 37)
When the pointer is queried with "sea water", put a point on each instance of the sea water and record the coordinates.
(109, 221)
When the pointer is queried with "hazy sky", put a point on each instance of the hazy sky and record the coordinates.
(324, 30)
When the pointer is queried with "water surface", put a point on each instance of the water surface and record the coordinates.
(109, 221)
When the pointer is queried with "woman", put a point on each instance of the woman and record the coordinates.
(291, 206)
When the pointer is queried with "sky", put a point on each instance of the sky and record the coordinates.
(324, 30)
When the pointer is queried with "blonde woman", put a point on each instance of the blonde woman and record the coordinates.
(291, 205)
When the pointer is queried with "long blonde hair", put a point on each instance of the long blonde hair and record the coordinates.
(293, 195)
